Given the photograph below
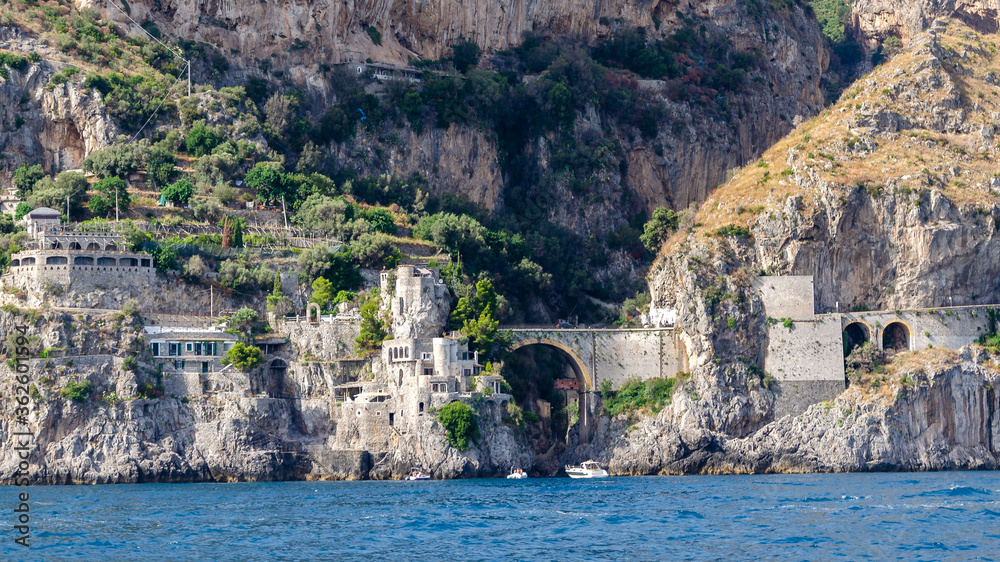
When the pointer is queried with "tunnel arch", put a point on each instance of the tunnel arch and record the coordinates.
(856, 333)
(583, 374)
(896, 336)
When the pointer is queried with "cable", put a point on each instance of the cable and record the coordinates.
(136, 135)
(167, 47)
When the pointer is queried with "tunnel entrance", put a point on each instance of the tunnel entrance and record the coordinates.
(895, 338)
(856, 334)
(549, 388)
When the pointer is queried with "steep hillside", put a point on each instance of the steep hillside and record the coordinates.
(889, 199)
(560, 141)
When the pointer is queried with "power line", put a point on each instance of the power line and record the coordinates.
(177, 54)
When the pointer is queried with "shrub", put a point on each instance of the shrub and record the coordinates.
(25, 178)
(178, 192)
(637, 395)
(464, 54)
(732, 230)
(244, 357)
(76, 391)
(130, 364)
(243, 320)
(374, 330)
(202, 139)
(659, 228)
(460, 424)
(863, 360)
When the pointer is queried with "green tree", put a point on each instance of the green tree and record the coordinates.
(25, 178)
(159, 164)
(244, 357)
(115, 160)
(336, 124)
(482, 332)
(659, 228)
(111, 187)
(202, 139)
(373, 328)
(460, 424)
(178, 192)
(21, 210)
(322, 293)
(100, 206)
(375, 250)
(244, 320)
(336, 266)
(53, 193)
(268, 180)
(464, 54)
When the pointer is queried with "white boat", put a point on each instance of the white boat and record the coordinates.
(417, 474)
(588, 469)
(517, 474)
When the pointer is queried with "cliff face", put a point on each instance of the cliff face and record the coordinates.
(141, 424)
(875, 20)
(888, 199)
(698, 142)
(935, 411)
(337, 32)
(55, 126)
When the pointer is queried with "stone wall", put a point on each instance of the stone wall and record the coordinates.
(950, 328)
(788, 296)
(613, 355)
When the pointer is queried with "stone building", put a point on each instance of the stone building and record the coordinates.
(189, 349)
(420, 369)
(58, 255)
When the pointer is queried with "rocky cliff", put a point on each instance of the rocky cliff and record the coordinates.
(935, 410)
(887, 199)
(875, 20)
(56, 126)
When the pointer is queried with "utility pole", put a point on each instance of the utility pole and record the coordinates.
(211, 300)
(284, 213)
(116, 202)
(67, 208)
(189, 78)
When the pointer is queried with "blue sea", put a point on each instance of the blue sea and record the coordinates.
(901, 516)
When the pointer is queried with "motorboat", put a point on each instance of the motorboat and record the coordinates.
(517, 474)
(417, 474)
(588, 469)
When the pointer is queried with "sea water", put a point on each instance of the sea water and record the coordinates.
(903, 516)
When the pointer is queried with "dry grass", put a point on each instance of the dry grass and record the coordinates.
(908, 163)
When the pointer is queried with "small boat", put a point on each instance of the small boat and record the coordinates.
(417, 474)
(588, 469)
(516, 474)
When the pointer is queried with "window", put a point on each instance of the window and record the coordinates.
(439, 387)
(204, 366)
(392, 417)
(421, 407)
(189, 346)
(467, 372)
(156, 349)
(179, 364)
(426, 356)
(428, 372)
(173, 349)
(197, 348)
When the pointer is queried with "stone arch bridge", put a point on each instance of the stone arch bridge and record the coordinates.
(614, 355)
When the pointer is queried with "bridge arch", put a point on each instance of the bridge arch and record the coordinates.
(897, 336)
(579, 366)
(856, 333)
